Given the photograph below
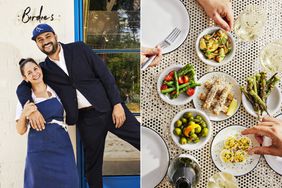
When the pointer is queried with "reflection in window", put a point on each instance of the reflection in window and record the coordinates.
(125, 68)
(113, 24)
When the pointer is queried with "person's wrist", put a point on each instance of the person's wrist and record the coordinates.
(203, 2)
(25, 115)
(117, 105)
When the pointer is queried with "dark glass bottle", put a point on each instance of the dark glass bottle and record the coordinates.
(184, 171)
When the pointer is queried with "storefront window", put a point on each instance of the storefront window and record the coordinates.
(112, 24)
(112, 30)
(126, 72)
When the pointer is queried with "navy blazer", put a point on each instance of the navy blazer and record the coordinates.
(87, 73)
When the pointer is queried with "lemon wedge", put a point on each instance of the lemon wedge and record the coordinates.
(232, 107)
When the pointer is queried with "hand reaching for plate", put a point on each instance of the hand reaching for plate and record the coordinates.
(220, 11)
(148, 52)
(272, 128)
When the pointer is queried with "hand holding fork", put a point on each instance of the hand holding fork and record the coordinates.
(146, 53)
(163, 44)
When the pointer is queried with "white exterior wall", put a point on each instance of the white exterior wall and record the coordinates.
(15, 43)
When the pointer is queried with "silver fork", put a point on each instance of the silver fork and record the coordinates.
(163, 44)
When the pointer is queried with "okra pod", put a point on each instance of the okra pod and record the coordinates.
(258, 100)
(270, 84)
(263, 86)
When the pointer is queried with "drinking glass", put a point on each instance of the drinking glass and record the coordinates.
(271, 56)
(250, 23)
(222, 180)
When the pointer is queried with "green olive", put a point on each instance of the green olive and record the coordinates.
(197, 120)
(203, 124)
(193, 137)
(178, 123)
(199, 117)
(205, 132)
(184, 120)
(196, 140)
(188, 115)
(191, 118)
(183, 140)
(177, 131)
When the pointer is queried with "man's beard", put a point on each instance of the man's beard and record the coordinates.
(54, 48)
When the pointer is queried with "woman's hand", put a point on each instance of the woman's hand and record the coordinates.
(35, 118)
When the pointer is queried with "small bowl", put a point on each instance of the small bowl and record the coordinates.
(273, 103)
(182, 98)
(203, 140)
(201, 55)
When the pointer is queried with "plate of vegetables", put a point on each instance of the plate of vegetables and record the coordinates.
(261, 96)
(215, 46)
(177, 84)
(191, 129)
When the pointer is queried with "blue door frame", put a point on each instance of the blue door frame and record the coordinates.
(108, 181)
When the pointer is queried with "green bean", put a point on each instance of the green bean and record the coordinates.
(176, 83)
(168, 90)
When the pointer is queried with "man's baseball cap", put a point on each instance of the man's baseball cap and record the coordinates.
(41, 28)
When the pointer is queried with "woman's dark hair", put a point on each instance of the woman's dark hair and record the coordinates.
(23, 61)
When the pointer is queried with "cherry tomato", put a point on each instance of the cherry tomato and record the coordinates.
(190, 91)
(163, 87)
(168, 78)
(185, 79)
(171, 73)
(180, 80)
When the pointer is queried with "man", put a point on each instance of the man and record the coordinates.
(89, 95)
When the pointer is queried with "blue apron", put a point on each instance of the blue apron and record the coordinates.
(50, 161)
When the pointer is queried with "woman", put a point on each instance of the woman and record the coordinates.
(50, 159)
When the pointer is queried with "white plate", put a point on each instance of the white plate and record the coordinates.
(203, 140)
(159, 18)
(201, 89)
(236, 169)
(273, 161)
(273, 103)
(183, 98)
(201, 55)
(155, 158)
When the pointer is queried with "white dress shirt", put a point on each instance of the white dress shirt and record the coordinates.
(81, 100)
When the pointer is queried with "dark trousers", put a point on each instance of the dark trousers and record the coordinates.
(93, 127)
